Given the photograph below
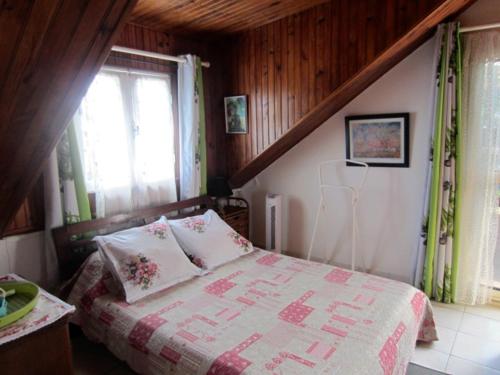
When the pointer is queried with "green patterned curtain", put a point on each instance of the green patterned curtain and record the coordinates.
(74, 198)
(439, 229)
(192, 130)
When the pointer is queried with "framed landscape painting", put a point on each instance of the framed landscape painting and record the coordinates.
(381, 140)
(235, 108)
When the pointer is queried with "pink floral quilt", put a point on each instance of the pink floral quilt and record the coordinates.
(261, 314)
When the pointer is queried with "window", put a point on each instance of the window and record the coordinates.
(126, 135)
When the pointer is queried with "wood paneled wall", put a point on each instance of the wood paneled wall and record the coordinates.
(142, 38)
(31, 216)
(287, 67)
(146, 39)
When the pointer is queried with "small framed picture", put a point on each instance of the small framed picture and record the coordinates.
(235, 108)
(379, 140)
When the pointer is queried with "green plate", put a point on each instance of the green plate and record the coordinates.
(21, 303)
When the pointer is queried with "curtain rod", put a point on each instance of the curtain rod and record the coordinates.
(119, 69)
(480, 27)
(154, 55)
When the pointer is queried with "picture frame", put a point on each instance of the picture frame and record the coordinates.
(236, 114)
(381, 140)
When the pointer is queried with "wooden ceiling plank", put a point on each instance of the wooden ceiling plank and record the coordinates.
(27, 48)
(209, 15)
(222, 18)
(174, 16)
(240, 22)
(215, 16)
(12, 22)
(23, 124)
(73, 55)
(74, 47)
(266, 19)
(350, 89)
(260, 19)
(225, 13)
(249, 17)
(149, 12)
(30, 95)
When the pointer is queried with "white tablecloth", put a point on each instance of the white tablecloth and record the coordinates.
(48, 310)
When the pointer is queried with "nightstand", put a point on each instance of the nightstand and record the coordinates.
(236, 215)
(46, 351)
(39, 342)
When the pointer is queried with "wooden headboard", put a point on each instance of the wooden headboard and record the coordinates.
(73, 242)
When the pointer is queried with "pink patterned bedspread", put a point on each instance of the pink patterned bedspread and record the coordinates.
(261, 314)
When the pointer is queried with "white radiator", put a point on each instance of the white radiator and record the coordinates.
(274, 222)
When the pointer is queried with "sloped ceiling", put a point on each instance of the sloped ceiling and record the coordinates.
(49, 53)
(214, 16)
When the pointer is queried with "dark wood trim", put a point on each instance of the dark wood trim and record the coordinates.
(350, 89)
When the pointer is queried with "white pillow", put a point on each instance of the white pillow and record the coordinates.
(209, 240)
(145, 260)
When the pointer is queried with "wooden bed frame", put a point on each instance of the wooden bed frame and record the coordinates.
(73, 242)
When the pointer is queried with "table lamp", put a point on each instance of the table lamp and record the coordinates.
(218, 187)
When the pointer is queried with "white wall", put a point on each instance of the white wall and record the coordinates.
(23, 255)
(480, 13)
(391, 205)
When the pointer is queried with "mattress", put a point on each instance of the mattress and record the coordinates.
(263, 313)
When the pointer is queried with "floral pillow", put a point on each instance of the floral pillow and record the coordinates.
(209, 240)
(145, 260)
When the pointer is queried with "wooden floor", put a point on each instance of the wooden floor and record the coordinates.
(94, 359)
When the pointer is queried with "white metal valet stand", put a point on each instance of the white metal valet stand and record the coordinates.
(355, 190)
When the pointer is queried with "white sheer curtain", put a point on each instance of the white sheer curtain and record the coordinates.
(53, 219)
(126, 129)
(188, 119)
(481, 146)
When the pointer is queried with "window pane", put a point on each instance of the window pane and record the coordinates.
(105, 141)
(154, 132)
(126, 131)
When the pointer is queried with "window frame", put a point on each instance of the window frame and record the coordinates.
(31, 215)
(175, 115)
(161, 69)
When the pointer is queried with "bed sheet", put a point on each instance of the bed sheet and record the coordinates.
(263, 313)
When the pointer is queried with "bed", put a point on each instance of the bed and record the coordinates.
(263, 313)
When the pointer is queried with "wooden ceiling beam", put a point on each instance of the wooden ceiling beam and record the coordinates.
(51, 51)
(350, 89)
